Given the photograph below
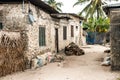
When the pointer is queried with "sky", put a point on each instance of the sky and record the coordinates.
(68, 6)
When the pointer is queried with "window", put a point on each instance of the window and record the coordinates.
(42, 36)
(1, 26)
(64, 33)
(72, 31)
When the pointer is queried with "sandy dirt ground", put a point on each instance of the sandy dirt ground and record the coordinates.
(85, 67)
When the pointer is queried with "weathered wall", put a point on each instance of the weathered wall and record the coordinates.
(42, 20)
(79, 39)
(56, 25)
(63, 43)
(77, 32)
(13, 17)
(75, 23)
(83, 37)
(115, 38)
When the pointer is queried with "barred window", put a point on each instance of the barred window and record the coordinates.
(42, 41)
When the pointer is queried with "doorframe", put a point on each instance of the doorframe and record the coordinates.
(56, 40)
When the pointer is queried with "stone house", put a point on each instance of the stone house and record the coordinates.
(69, 29)
(46, 28)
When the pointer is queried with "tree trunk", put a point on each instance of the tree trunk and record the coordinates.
(115, 40)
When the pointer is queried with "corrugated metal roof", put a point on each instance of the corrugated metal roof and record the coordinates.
(66, 15)
(75, 15)
(115, 5)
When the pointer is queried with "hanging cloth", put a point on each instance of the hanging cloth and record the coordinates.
(30, 15)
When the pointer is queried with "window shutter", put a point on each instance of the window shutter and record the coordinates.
(72, 31)
(42, 36)
(64, 33)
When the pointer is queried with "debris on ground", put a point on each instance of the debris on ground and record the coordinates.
(41, 60)
(107, 59)
(106, 62)
(72, 68)
(73, 49)
(107, 51)
(59, 58)
(44, 59)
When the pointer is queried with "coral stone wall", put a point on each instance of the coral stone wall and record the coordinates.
(42, 19)
(14, 17)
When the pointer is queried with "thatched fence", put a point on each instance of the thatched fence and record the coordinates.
(13, 45)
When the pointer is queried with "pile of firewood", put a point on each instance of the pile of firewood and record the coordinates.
(73, 49)
(12, 57)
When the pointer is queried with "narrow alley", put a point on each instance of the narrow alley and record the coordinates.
(85, 67)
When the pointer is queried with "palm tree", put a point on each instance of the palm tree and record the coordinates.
(54, 4)
(101, 24)
(93, 8)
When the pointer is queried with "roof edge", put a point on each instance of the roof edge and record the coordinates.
(68, 14)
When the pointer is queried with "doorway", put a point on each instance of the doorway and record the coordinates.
(56, 40)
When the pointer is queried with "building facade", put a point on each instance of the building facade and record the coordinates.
(47, 29)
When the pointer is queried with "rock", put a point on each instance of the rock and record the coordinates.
(107, 51)
(34, 64)
(59, 58)
(106, 62)
(107, 59)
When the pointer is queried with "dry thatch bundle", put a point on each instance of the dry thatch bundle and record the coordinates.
(12, 53)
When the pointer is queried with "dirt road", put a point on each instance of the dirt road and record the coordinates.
(85, 67)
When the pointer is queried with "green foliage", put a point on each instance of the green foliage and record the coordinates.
(93, 8)
(54, 4)
(99, 25)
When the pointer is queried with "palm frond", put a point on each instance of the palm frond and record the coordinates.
(81, 2)
(54, 4)
(102, 13)
(86, 8)
(59, 4)
(58, 9)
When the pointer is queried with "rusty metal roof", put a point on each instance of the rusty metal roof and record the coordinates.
(66, 15)
(38, 3)
(107, 7)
